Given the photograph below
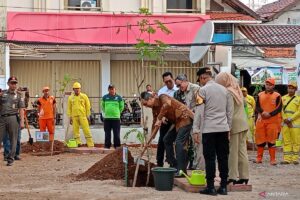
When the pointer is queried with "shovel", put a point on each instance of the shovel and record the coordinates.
(30, 141)
(52, 143)
(152, 136)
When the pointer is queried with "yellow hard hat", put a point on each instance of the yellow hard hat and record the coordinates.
(76, 85)
(244, 89)
(293, 83)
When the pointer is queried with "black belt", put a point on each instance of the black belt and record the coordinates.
(8, 115)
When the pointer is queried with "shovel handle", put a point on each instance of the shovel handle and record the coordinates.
(27, 125)
(153, 134)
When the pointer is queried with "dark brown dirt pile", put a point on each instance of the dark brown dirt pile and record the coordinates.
(112, 167)
(37, 147)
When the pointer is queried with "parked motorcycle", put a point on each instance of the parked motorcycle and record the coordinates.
(136, 110)
(32, 115)
(92, 117)
(126, 115)
(58, 117)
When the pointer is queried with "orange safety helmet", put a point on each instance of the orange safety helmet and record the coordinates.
(46, 88)
(271, 81)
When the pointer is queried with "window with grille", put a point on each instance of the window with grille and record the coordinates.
(184, 6)
(223, 28)
(223, 33)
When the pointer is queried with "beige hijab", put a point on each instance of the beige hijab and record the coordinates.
(231, 83)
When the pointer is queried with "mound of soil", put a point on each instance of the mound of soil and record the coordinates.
(112, 167)
(38, 147)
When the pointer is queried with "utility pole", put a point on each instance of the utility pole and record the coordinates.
(3, 14)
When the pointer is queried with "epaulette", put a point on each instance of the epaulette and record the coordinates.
(199, 100)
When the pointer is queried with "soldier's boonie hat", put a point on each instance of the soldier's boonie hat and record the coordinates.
(293, 84)
(12, 79)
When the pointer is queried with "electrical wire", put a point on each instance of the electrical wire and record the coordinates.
(120, 26)
(133, 44)
(227, 43)
(100, 27)
(74, 42)
(116, 26)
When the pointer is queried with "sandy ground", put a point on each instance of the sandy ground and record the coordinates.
(36, 177)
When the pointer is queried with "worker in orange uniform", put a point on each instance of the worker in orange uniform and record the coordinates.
(79, 110)
(269, 107)
(291, 125)
(46, 107)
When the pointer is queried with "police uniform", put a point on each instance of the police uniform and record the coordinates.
(6, 143)
(10, 103)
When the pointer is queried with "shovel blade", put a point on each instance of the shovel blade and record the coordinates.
(30, 141)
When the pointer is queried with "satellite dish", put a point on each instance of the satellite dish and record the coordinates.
(204, 35)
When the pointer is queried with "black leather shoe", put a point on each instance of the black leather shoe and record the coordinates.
(231, 181)
(17, 158)
(9, 163)
(209, 191)
(242, 181)
(222, 191)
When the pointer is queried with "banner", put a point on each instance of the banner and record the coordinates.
(289, 74)
(260, 76)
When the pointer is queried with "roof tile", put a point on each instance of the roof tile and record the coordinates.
(230, 16)
(271, 9)
(272, 34)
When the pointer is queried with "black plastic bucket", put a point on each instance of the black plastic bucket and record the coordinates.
(163, 178)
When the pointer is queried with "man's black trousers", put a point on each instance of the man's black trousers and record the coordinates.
(115, 125)
(216, 145)
(164, 128)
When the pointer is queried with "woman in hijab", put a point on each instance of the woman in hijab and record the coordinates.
(238, 157)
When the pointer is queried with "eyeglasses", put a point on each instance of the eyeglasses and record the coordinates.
(178, 85)
(168, 81)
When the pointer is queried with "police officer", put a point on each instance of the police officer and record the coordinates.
(6, 143)
(12, 115)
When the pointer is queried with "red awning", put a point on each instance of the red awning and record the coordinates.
(98, 28)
